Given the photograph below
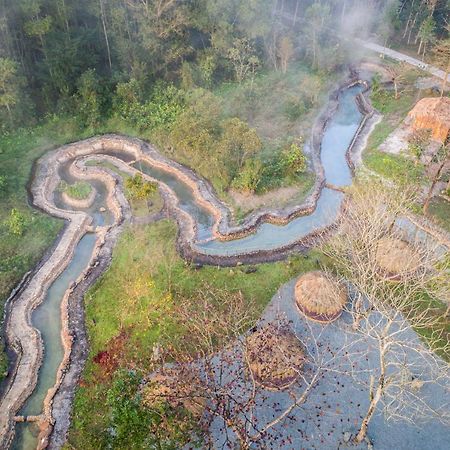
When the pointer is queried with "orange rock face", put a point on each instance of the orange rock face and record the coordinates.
(432, 114)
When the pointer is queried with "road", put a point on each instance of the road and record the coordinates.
(405, 58)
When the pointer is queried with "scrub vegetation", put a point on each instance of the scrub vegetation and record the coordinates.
(128, 315)
(79, 190)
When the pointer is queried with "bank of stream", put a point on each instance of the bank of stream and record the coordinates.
(283, 230)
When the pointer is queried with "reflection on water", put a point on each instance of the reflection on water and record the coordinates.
(47, 319)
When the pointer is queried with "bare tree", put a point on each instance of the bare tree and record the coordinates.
(390, 303)
(214, 370)
(285, 52)
(397, 74)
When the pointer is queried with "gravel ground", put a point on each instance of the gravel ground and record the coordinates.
(336, 405)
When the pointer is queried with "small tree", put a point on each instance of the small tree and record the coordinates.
(249, 178)
(16, 222)
(9, 86)
(426, 35)
(285, 52)
(88, 99)
(238, 143)
(397, 74)
(293, 159)
(243, 58)
(139, 189)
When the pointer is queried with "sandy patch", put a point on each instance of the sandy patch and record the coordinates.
(397, 141)
(272, 198)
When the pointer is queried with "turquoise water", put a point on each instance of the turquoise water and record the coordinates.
(47, 319)
(337, 137)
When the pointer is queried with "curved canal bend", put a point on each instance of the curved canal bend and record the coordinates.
(206, 235)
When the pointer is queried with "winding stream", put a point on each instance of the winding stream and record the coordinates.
(338, 134)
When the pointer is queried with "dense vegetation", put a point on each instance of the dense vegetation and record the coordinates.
(228, 87)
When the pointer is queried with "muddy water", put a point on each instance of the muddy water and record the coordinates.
(47, 319)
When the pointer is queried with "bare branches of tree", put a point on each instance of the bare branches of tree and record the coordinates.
(395, 290)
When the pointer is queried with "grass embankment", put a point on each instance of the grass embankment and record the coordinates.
(127, 313)
(398, 168)
(79, 190)
(439, 209)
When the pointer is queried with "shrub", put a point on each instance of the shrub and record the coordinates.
(138, 188)
(16, 222)
(250, 177)
(293, 160)
(294, 109)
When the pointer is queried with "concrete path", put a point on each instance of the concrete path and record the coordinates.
(403, 58)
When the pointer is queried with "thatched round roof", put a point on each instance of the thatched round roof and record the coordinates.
(396, 257)
(275, 356)
(433, 114)
(319, 298)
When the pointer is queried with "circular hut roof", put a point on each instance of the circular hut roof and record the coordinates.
(396, 257)
(275, 356)
(319, 298)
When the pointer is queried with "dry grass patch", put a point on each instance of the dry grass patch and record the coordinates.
(319, 298)
(275, 357)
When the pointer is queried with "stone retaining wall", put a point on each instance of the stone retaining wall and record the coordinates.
(26, 340)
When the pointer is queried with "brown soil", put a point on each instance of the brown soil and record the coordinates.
(273, 198)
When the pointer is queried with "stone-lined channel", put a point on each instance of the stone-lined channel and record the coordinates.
(205, 235)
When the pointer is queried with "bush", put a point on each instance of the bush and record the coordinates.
(250, 177)
(88, 99)
(138, 188)
(294, 109)
(293, 160)
(163, 108)
(79, 190)
(16, 222)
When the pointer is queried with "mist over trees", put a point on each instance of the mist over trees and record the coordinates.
(54, 53)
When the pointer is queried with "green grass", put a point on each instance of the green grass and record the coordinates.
(397, 168)
(439, 209)
(79, 190)
(127, 310)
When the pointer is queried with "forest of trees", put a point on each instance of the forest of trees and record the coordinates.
(85, 57)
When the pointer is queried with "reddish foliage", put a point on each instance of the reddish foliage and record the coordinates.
(109, 360)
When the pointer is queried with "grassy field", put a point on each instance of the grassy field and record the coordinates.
(394, 167)
(126, 314)
(439, 209)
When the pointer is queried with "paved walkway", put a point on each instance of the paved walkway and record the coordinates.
(404, 58)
